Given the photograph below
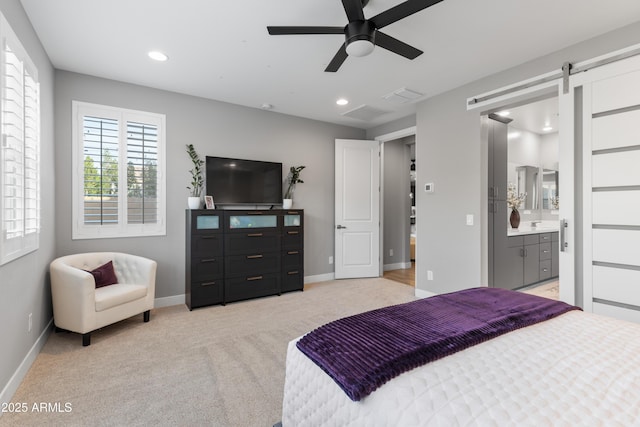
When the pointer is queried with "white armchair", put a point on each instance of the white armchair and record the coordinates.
(79, 307)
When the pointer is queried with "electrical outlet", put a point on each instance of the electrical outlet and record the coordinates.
(429, 275)
(330, 260)
(30, 321)
(390, 252)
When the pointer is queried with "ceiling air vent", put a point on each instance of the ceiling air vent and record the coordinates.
(364, 112)
(402, 96)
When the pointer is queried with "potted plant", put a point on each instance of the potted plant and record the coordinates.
(293, 178)
(197, 181)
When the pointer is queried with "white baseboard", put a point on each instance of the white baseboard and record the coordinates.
(420, 293)
(169, 301)
(16, 379)
(319, 278)
(397, 266)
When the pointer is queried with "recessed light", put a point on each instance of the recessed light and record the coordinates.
(157, 55)
(342, 101)
(504, 113)
(547, 128)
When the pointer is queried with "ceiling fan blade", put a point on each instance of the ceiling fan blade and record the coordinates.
(337, 60)
(278, 31)
(396, 46)
(400, 11)
(353, 8)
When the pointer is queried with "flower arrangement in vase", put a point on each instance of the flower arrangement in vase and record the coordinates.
(293, 178)
(514, 200)
(197, 180)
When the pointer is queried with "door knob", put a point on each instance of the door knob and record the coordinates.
(339, 227)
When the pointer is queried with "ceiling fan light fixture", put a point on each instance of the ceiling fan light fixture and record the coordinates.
(360, 48)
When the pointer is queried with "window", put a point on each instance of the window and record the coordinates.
(118, 184)
(19, 149)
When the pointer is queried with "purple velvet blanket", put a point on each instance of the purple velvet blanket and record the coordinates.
(364, 351)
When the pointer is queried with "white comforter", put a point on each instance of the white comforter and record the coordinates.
(578, 369)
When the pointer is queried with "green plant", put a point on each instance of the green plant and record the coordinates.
(197, 180)
(293, 178)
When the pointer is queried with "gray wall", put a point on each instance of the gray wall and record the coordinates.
(396, 203)
(215, 129)
(24, 283)
(449, 154)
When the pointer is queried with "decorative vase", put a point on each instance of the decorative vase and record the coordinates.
(193, 202)
(287, 203)
(514, 218)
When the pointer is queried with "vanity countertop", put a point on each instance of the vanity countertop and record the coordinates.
(527, 229)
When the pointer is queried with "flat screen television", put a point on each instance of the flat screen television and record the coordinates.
(243, 182)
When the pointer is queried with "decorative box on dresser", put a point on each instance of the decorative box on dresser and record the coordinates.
(256, 254)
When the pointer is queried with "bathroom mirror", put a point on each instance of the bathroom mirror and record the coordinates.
(550, 189)
(527, 182)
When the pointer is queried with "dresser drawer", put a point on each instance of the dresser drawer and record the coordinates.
(252, 264)
(292, 280)
(206, 268)
(545, 251)
(292, 239)
(292, 258)
(251, 242)
(245, 287)
(207, 292)
(207, 245)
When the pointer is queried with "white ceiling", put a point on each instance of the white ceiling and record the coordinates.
(535, 116)
(221, 50)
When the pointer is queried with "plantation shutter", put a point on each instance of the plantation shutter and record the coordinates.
(20, 150)
(118, 181)
(100, 157)
(142, 173)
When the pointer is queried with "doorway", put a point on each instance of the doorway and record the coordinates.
(398, 217)
(523, 241)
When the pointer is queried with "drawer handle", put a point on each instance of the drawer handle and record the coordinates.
(293, 252)
(254, 278)
(254, 235)
(208, 284)
(545, 270)
(254, 256)
(545, 251)
(209, 237)
(254, 213)
(208, 260)
(291, 273)
(292, 212)
(293, 232)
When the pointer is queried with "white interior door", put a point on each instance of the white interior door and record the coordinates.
(357, 208)
(611, 188)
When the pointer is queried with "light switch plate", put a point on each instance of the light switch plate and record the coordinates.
(428, 187)
(469, 219)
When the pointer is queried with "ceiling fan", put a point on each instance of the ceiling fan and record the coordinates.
(361, 35)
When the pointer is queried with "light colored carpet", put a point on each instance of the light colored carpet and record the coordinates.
(217, 366)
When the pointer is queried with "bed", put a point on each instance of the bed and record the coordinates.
(573, 369)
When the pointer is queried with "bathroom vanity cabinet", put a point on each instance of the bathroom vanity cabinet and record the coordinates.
(527, 259)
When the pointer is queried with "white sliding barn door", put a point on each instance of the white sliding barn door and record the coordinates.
(611, 188)
(357, 209)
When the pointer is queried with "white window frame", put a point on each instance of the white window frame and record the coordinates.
(26, 237)
(80, 230)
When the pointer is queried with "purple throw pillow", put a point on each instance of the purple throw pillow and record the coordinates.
(104, 275)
